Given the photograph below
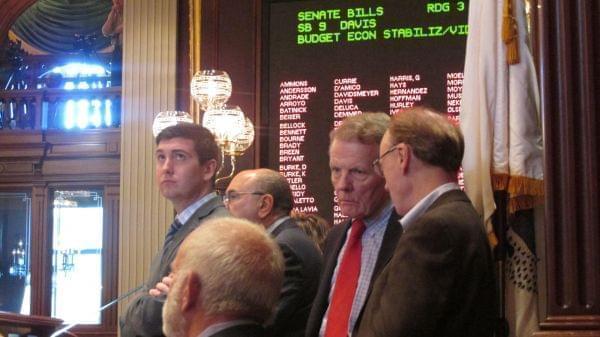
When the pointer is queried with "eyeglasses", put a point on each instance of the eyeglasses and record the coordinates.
(377, 162)
(230, 196)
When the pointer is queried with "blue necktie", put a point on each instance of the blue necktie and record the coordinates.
(175, 226)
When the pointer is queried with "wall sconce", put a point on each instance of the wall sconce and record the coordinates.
(233, 131)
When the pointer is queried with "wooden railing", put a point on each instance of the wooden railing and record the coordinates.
(26, 325)
(45, 108)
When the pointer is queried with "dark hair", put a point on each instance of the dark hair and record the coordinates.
(432, 137)
(204, 142)
(273, 183)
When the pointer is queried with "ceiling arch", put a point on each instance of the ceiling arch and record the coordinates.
(11, 10)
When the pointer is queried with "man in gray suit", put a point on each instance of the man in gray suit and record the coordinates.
(264, 196)
(440, 279)
(187, 159)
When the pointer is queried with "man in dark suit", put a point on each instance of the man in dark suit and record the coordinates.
(187, 158)
(264, 196)
(356, 251)
(440, 279)
(227, 277)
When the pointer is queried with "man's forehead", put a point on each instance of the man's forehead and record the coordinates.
(176, 140)
(355, 150)
(242, 179)
(337, 143)
(176, 144)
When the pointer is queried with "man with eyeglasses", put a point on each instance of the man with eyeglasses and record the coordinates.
(357, 250)
(264, 196)
(440, 279)
(187, 159)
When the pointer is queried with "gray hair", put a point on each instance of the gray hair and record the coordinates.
(367, 128)
(432, 137)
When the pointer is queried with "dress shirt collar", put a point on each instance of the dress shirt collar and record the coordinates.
(381, 216)
(187, 213)
(415, 213)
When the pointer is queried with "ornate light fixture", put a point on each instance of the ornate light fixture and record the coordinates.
(211, 88)
(167, 118)
(233, 131)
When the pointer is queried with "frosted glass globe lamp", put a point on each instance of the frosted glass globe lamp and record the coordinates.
(211, 88)
(168, 118)
(243, 140)
(226, 124)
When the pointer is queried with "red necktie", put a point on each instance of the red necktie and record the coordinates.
(345, 284)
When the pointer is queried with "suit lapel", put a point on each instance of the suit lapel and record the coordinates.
(390, 239)
(333, 252)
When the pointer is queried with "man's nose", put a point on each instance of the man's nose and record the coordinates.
(167, 166)
(343, 182)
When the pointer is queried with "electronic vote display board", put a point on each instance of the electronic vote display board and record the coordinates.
(331, 59)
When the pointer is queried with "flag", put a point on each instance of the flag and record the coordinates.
(521, 277)
(503, 137)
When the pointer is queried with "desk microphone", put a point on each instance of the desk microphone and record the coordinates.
(102, 308)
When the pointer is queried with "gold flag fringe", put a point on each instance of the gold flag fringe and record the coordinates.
(523, 192)
(510, 33)
(500, 181)
(492, 239)
(519, 185)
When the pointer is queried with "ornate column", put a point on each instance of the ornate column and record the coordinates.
(149, 64)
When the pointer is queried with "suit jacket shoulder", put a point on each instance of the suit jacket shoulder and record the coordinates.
(303, 263)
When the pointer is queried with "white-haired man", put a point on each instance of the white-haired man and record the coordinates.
(227, 277)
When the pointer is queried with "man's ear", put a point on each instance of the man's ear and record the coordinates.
(404, 156)
(190, 292)
(209, 169)
(265, 205)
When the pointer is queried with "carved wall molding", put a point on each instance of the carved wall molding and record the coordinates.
(60, 155)
(569, 76)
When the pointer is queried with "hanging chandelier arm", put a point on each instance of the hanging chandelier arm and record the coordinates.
(233, 160)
